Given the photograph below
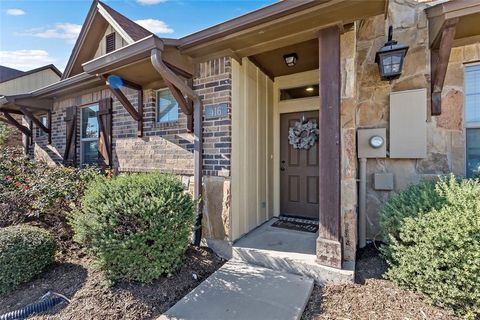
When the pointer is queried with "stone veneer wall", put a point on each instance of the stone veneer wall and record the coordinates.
(349, 152)
(445, 135)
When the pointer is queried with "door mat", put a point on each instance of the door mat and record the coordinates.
(296, 224)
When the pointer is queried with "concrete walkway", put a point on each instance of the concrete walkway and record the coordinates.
(242, 291)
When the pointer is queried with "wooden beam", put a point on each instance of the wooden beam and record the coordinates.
(329, 246)
(182, 102)
(49, 121)
(439, 56)
(27, 113)
(136, 115)
(12, 121)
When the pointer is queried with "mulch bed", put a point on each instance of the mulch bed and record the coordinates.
(91, 299)
(371, 297)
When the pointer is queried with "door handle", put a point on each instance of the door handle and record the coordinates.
(282, 169)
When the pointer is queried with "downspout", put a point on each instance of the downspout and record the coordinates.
(362, 223)
(170, 76)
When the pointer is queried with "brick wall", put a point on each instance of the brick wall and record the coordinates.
(165, 146)
(213, 82)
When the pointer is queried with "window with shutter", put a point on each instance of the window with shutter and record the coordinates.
(110, 42)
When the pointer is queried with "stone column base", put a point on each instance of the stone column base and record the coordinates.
(329, 253)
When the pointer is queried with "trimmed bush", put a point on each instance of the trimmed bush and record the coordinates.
(135, 227)
(438, 252)
(411, 202)
(25, 251)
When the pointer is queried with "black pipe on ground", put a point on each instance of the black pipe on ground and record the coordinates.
(46, 303)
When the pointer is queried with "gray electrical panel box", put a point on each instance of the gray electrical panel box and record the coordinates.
(367, 148)
(408, 124)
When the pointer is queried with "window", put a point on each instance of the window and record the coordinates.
(167, 107)
(472, 120)
(89, 133)
(44, 120)
(299, 92)
(110, 42)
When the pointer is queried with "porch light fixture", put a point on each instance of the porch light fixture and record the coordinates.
(390, 58)
(290, 59)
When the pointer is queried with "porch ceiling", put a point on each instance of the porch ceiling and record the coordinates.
(273, 65)
(271, 28)
(467, 28)
(13, 103)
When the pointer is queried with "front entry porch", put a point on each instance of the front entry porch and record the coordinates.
(289, 251)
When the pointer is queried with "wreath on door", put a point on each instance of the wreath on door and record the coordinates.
(303, 135)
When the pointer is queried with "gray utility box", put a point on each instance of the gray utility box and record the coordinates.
(408, 124)
(365, 149)
(383, 181)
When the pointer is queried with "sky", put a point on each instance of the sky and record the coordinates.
(34, 33)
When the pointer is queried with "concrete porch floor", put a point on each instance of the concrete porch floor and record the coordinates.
(288, 250)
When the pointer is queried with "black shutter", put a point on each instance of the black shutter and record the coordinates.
(71, 132)
(105, 139)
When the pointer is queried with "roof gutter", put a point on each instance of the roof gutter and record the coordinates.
(170, 76)
(262, 15)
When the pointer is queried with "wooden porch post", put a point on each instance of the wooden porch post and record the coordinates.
(329, 244)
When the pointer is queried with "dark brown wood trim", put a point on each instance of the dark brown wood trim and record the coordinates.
(140, 112)
(71, 117)
(136, 115)
(27, 113)
(177, 94)
(178, 71)
(49, 121)
(439, 56)
(12, 121)
(329, 136)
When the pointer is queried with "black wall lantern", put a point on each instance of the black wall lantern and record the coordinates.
(390, 58)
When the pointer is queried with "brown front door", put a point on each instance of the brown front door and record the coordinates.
(298, 171)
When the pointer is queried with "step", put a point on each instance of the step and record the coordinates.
(294, 263)
(288, 251)
(239, 290)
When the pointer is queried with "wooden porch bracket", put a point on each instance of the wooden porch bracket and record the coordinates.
(27, 113)
(12, 121)
(137, 115)
(440, 54)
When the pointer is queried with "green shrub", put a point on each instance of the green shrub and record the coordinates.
(25, 251)
(438, 252)
(411, 202)
(135, 227)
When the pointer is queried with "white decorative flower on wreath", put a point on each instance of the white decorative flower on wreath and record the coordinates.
(303, 135)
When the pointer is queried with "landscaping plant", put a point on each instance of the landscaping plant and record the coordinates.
(25, 251)
(437, 250)
(135, 227)
(29, 188)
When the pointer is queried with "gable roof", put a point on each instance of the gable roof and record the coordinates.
(7, 73)
(12, 74)
(134, 30)
(98, 18)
